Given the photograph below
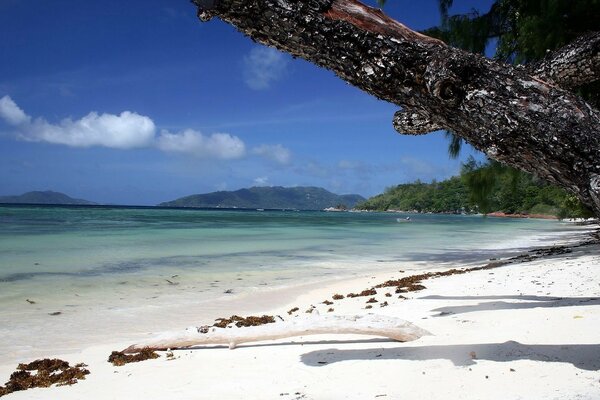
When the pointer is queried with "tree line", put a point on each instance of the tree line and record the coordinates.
(480, 188)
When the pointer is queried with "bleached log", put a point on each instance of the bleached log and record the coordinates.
(372, 325)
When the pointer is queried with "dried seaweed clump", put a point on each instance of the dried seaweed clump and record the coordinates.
(243, 322)
(293, 310)
(49, 372)
(118, 358)
(412, 283)
(366, 292)
(337, 296)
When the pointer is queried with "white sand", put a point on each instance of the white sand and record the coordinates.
(522, 331)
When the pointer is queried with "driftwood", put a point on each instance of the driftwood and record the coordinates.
(527, 118)
(372, 325)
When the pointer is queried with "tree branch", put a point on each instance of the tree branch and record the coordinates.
(501, 110)
(573, 65)
(369, 324)
(414, 122)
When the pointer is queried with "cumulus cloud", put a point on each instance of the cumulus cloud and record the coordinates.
(275, 152)
(11, 113)
(131, 130)
(217, 145)
(124, 131)
(263, 66)
(261, 181)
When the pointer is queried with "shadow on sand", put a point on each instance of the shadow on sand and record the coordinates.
(525, 302)
(582, 356)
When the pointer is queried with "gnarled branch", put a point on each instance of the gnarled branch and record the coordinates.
(414, 122)
(573, 65)
(370, 324)
(501, 110)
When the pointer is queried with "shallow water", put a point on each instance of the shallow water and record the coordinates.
(111, 271)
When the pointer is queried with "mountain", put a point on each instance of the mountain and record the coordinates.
(277, 197)
(47, 197)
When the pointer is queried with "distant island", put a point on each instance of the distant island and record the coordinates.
(275, 197)
(43, 197)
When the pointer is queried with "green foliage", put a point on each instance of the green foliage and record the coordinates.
(455, 144)
(480, 188)
(524, 31)
(446, 196)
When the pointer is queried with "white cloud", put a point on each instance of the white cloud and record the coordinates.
(261, 181)
(275, 152)
(218, 145)
(130, 130)
(221, 186)
(263, 66)
(11, 113)
(124, 131)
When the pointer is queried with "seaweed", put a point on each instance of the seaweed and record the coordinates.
(49, 372)
(337, 296)
(243, 321)
(293, 310)
(119, 358)
(366, 292)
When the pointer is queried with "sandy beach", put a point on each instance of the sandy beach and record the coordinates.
(526, 330)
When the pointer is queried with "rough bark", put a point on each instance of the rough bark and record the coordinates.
(508, 113)
(373, 325)
(575, 64)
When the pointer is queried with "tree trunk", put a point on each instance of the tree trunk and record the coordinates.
(511, 114)
(369, 324)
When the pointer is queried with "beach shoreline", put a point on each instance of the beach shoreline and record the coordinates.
(48, 315)
(503, 308)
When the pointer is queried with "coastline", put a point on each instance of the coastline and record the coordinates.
(500, 214)
(534, 322)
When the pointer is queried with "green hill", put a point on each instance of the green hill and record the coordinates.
(480, 188)
(449, 196)
(46, 197)
(276, 197)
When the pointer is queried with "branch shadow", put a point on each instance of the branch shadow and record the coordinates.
(582, 356)
(530, 302)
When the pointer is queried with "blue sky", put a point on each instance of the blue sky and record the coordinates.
(137, 102)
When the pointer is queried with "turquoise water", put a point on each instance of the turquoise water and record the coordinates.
(132, 266)
(85, 243)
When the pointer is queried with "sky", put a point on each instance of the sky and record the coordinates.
(138, 102)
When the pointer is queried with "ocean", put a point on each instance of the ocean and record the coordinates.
(75, 275)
